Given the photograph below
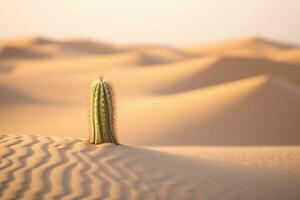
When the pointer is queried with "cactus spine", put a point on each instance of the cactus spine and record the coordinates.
(102, 113)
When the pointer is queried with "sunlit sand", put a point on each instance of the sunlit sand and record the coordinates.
(215, 121)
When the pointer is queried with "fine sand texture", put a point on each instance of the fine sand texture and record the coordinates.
(37, 167)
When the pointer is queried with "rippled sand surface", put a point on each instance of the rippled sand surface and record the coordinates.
(36, 167)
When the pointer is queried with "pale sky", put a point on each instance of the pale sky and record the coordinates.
(174, 22)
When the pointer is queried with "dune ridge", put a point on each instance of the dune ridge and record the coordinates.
(292, 56)
(42, 48)
(252, 97)
(223, 69)
(236, 113)
(247, 47)
(65, 168)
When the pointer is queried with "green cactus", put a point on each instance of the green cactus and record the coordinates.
(102, 113)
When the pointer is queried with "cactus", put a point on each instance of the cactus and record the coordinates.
(102, 113)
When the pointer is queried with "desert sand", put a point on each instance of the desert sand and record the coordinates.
(215, 121)
(35, 167)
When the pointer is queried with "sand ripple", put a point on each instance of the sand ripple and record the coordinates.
(35, 167)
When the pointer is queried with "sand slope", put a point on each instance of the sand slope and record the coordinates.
(11, 96)
(243, 92)
(262, 110)
(246, 47)
(41, 48)
(257, 111)
(292, 56)
(226, 69)
(165, 95)
(63, 168)
(277, 157)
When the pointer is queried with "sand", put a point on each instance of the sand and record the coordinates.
(216, 121)
(65, 168)
(292, 56)
(245, 47)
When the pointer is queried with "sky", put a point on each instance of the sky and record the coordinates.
(172, 22)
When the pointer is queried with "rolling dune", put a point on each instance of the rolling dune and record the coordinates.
(246, 47)
(35, 48)
(292, 56)
(227, 69)
(258, 111)
(72, 77)
(79, 65)
(90, 63)
(66, 168)
(11, 96)
(226, 116)
(209, 100)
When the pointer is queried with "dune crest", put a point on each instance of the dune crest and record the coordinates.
(218, 97)
(247, 47)
(41, 48)
(236, 113)
(292, 56)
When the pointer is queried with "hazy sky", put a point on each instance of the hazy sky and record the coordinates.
(175, 22)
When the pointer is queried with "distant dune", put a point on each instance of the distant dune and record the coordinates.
(208, 95)
(227, 69)
(248, 46)
(257, 111)
(11, 52)
(11, 96)
(91, 63)
(37, 48)
(292, 55)
(220, 121)
(34, 48)
(66, 168)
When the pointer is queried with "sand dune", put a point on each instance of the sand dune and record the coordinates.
(204, 97)
(21, 53)
(11, 96)
(79, 65)
(38, 55)
(72, 77)
(38, 48)
(33, 48)
(245, 112)
(65, 168)
(257, 111)
(239, 113)
(169, 78)
(277, 157)
(247, 47)
(91, 63)
(25, 41)
(243, 94)
(166, 53)
(227, 69)
(292, 55)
